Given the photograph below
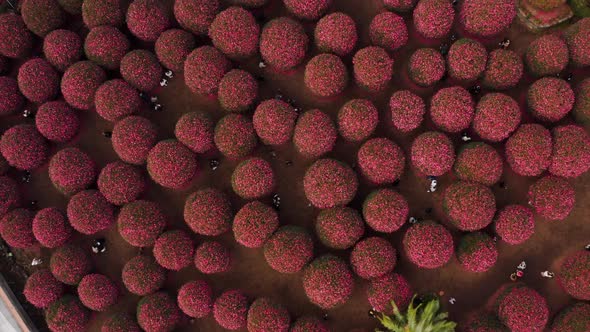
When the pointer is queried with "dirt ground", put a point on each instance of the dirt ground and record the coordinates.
(551, 241)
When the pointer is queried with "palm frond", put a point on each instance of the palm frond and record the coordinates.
(424, 317)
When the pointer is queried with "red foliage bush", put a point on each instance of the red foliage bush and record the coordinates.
(238, 90)
(141, 69)
(547, 55)
(267, 314)
(213, 257)
(158, 312)
(196, 16)
(487, 18)
(141, 275)
(204, 68)
(208, 212)
(288, 249)
(140, 223)
(133, 138)
(496, 117)
(328, 183)
(80, 82)
(434, 18)
(283, 43)
(116, 99)
(235, 33)
(89, 212)
(69, 264)
(274, 121)
(528, 150)
(16, 228)
(254, 224)
(428, 244)
(307, 10)
(328, 282)
(336, 33)
(309, 324)
(42, 16)
(230, 310)
(195, 298)
(452, 109)
(385, 210)
(10, 195)
(381, 161)
(11, 99)
(67, 315)
(253, 178)
(515, 224)
(504, 69)
(390, 287)
(97, 292)
(106, 46)
(467, 59)
(388, 30)
(373, 68)
(426, 66)
(119, 322)
(479, 162)
(339, 227)
(57, 121)
(71, 170)
(24, 147)
(195, 130)
(552, 197)
(16, 41)
(234, 136)
(62, 48)
(579, 46)
(357, 119)
(325, 75)
(571, 151)
(373, 257)
(574, 275)
(477, 252)
(574, 318)
(147, 19)
(121, 183)
(42, 289)
(470, 206)
(521, 308)
(433, 153)
(174, 250)
(550, 99)
(38, 81)
(407, 110)
(51, 228)
(173, 46)
(172, 165)
(315, 134)
(103, 12)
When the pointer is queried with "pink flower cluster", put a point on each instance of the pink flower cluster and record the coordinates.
(80, 82)
(528, 150)
(119, 322)
(69, 264)
(288, 249)
(158, 312)
(434, 18)
(504, 69)
(477, 252)
(467, 59)
(172, 165)
(373, 68)
(147, 19)
(42, 16)
(522, 309)
(254, 224)
(11, 99)
(357, 119)
(315, 134)
(479, 162)
(57, 121)
(103, 12)
(428, 244)
(487, 18)
(24, 147)
(253, 178)
(308, 9)
(571, 151)
(204, 68)
(51, 228)
(547, 55)
(575, 317)
(106, 46)
(578, 44)
(195, 130)
(235, 33)
(496, 116)
(141, 69)
(390, 287)
(550, 99)
(121, 183)
(283, 43)
(230, 309)
(71, 170)
(16, 228)
(388, 30)
(208, 212)
(195, 298)
(267, 314)
(373, 257)
(385, 210)
(515, 224)
(426, 66)
(552, 197)
(140, 223)
(16, 41)
(470, 206)
(234, 136)
(213, 257)
(67, 315)
(141, 275)
(173, 46)
(274, 121)
(196, 16)
(42, 289)
(62, 48)
(174, 250)
(329, 182)
(238, 90)
(97, 292)
(336, 33)
(326, 75)
(328, 282)
(339, 227)
(116, 99)
(38, 81)
(433, 153)
(400, 5)
(452, 109)
(89, 212)
(381, 160)
(574, 275)
(133, 138)
(407, 110)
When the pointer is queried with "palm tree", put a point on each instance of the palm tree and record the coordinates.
(423, 318)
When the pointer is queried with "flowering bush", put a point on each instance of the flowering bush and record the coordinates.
(24, 147)
(571, 151)
(515, 224)
(274, 121)
(550, 99)
(141, 69)
(213, 257)
(309, 324)
(288, 249)
(578, 44)
(158, 312)
(238, 90)
(51, 228)
(119, 322)
(487, 18)
(230, 309)
(42, 289)
(147, 19)
(426, 66)
(308, 10)
(496, 116)
(16, 41)
(103, 12)
(173, 46)
(385, 210)
(381, 161)
(208, 212)
(407, 110)
(373, 257)
(133, 138)
(328, 282)
(174, 250)
(428, 244)
(547, 55)
(433, 153)
(121, 183)
(97, 292)
(11, 99)
(80, 82)
(479, 162)
(71, 170)
(552, 197)
(484, 322)
(253, 178)
(574, 274)
(195, 130)
(38, 81)
(67, 315)
(16, 228)
(172, 165)
(62, 48)
(477, 252)
(504, 69)
(283, 43)
(116, 99)
(328, 183)
(234, 32)
(452, 109)
(69, 264)
(57, 121)
(433, 18)
(42, 16)
(140, 223)
(196, 16)
(385, 289)
(357, 119)
(234, 136)
(336, 33)
(254, 224)
(326, 75)
(106, 46)
(467, 59)
(373, 68)
(470, 206)
(315, 134)
(89, 212)
(521, 308)
(574, 318)
(339, 227)
(388, 30)
(204, 68)
(195, 298)
(528, 150)
(266, 314)
(9, 194)
(141, 275)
